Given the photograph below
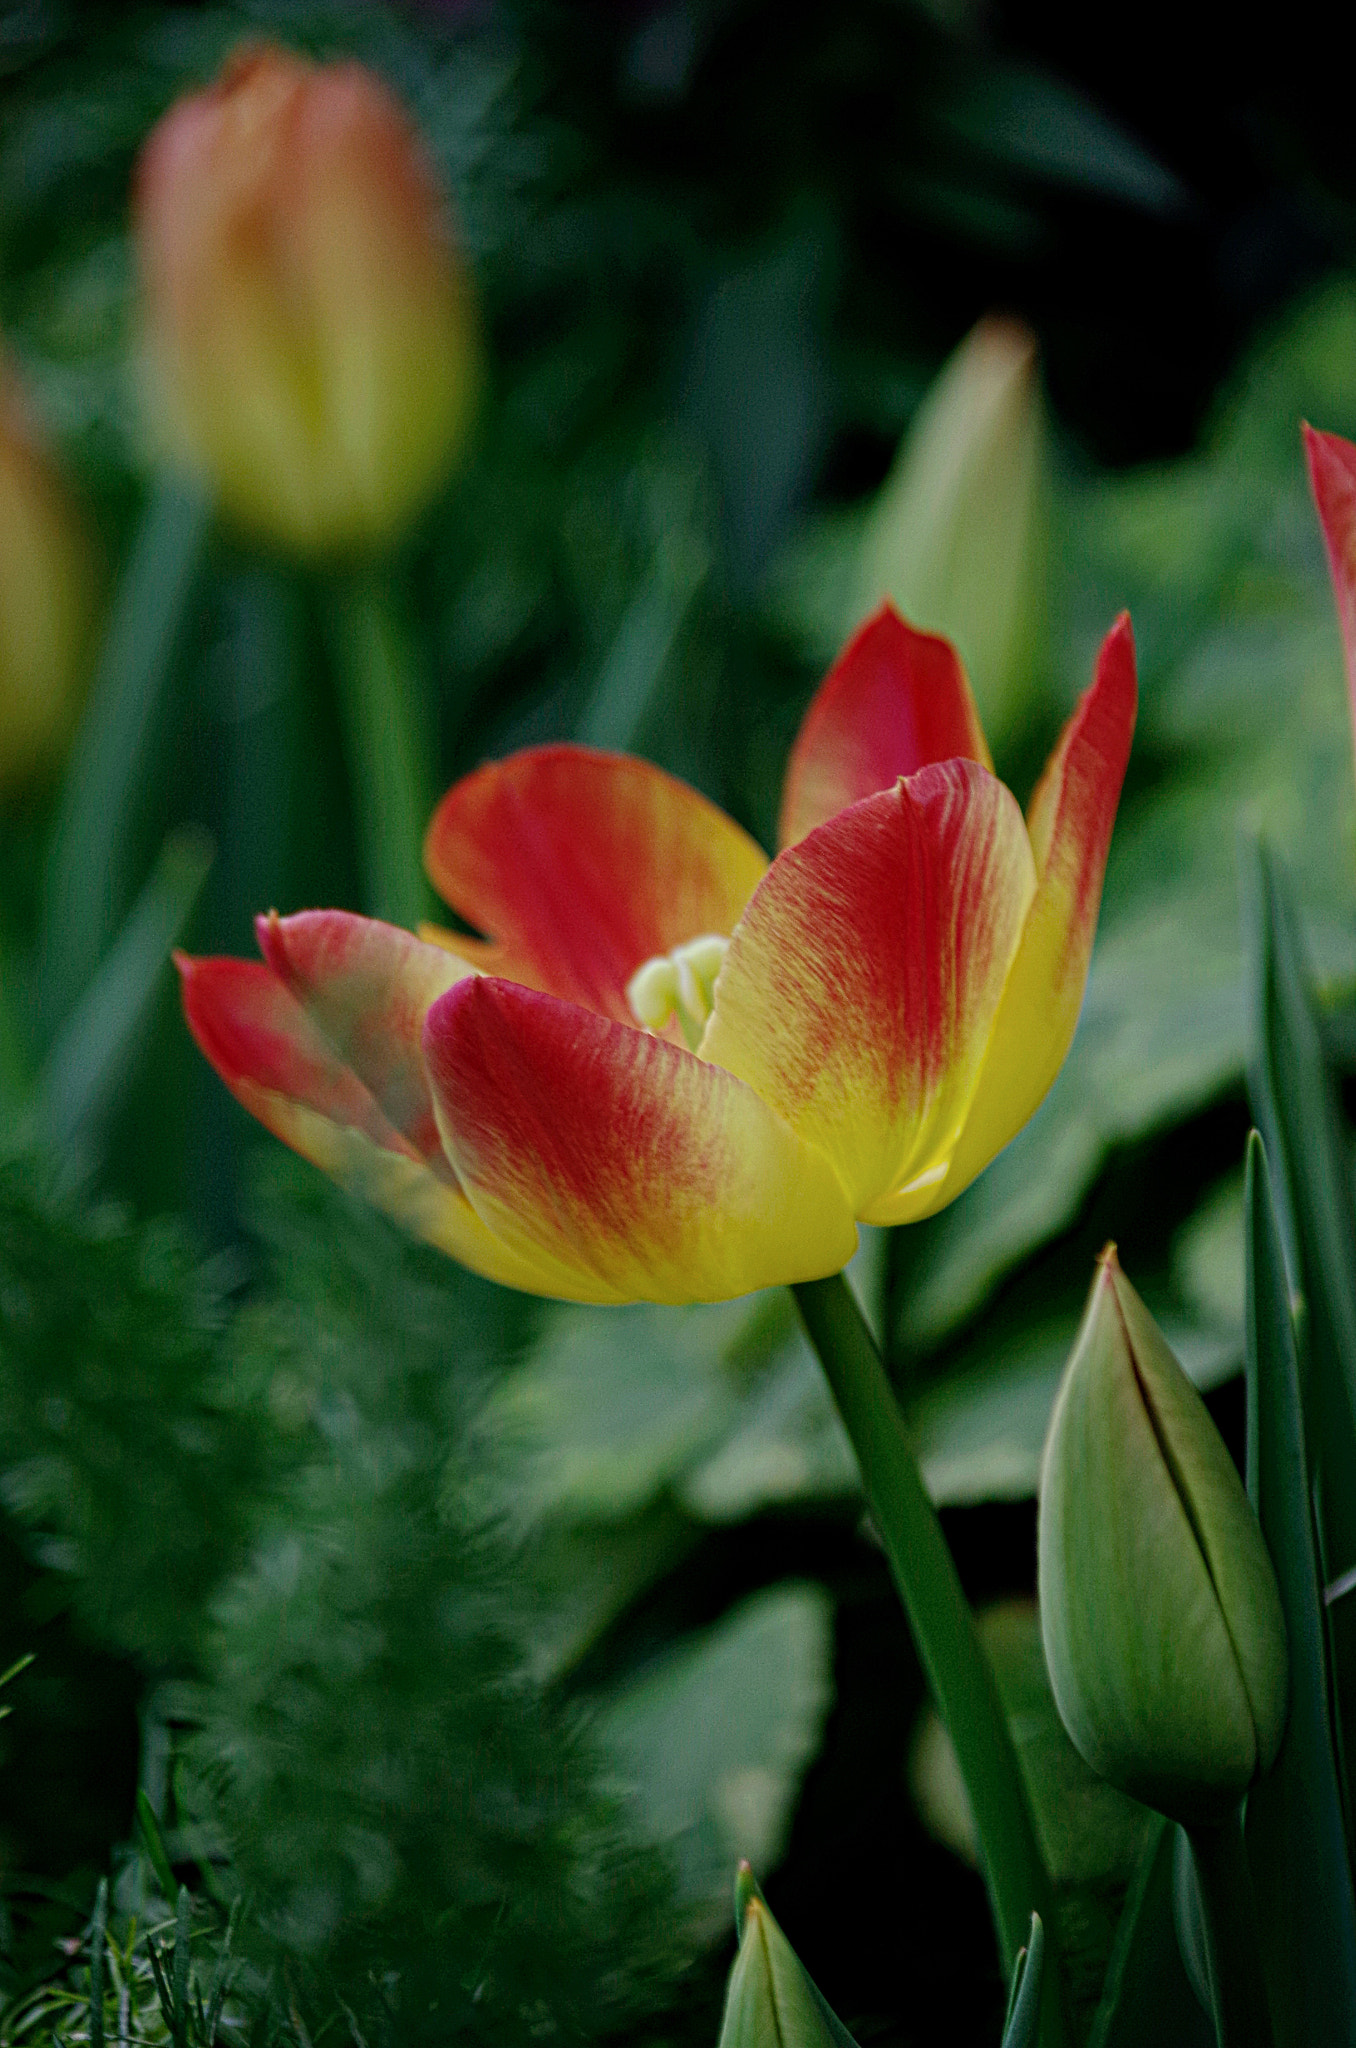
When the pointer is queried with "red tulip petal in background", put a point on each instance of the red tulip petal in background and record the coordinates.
(894, 701)
(1332, 477)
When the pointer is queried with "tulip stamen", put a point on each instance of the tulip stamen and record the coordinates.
(679, 984)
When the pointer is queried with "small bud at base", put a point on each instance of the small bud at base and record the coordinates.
(1160, 1612)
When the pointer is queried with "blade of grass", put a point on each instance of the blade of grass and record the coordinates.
(98, 1932)
(628, 682)
(1296, 1842)
(1297, 1119)
(183, 1960)
(155, 1846)
(87, 1065)
(89, 880)
(1296, 1113)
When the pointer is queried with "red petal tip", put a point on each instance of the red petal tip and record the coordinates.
(268, 935)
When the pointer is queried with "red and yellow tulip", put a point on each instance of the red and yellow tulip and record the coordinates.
(675, 1071)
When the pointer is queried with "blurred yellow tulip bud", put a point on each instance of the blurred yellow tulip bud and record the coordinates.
(1159, 1607)
(956, 539)
(48, 587)
(309, 332)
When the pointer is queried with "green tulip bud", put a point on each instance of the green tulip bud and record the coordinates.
(956, 539)
(770, 2002)
(1159, 1606)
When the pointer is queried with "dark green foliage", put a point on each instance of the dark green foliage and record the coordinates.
(274, 1503)
(1296, 1841)
(414, 1824)
(131, 1481)
(150, 1976)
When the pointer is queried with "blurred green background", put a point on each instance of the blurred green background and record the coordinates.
(469, 1637)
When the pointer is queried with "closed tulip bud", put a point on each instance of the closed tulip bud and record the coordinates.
(1159, 1606)
(769, 2002)
(309, 336)
(956, 540)
(48, 584)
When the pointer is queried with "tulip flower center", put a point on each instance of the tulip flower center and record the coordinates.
(679, 984)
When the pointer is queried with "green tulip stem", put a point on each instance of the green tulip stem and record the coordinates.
(383, 701)
(953, 1659)
(1233, 1940)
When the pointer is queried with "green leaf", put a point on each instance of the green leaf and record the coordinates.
(722, 1406)
(980, 1426)
(712, 1739)
(1147, 1995)
(1089, 1833)
(155, 1845)
(1296, 1842)
(183, 1963)
(629, 680)
(1024, 2001)
(98, 1936)
(86, 1068)
(589, 1572)
(1310, 1189)
(89, 878)
(613, 1405)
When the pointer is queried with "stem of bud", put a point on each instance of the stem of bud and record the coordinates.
(949, 1648)
(386, 719)
(1233, 1942)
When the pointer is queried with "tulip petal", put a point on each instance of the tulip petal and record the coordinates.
(275, 1061)
(583, 865)
(894, 701)
(366, 986)
(1332, 477)
(1070, 818)
(599, 1145)
(860, 986)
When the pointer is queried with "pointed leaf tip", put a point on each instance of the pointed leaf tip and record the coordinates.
(1024, 2003)
(746, 1894)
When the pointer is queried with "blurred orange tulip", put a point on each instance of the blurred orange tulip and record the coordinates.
(310, 337)
(48, 583)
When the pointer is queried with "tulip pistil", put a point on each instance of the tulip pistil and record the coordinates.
(679, 984)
